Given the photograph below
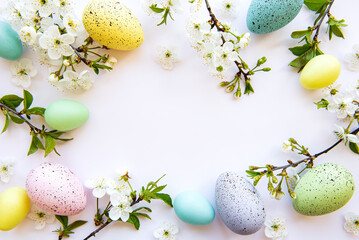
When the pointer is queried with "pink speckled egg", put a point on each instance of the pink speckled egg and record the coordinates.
(54, 188)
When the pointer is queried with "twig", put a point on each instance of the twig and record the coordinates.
(86, 61)
(97, 230)
(317, 26)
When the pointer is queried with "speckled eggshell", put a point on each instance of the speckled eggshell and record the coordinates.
(265, 16)
(239, 204)
(112, 24)
(323, 189)
(54, 188)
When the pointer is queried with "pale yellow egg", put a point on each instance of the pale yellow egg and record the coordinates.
(14, 206)
(321, 71)
(112, 24)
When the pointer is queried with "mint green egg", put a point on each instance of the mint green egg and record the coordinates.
(193, 208)
(323, 189)
(10, 43)
(66, 115)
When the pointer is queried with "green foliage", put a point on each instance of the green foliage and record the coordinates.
(354, 147)
(66, 229)
(310, 47)
(323, 103)
(152, 191)
(42, 139)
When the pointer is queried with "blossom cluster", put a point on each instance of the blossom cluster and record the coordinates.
(119, 192)
(51, 30)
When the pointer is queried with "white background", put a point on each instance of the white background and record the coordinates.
(151, 121)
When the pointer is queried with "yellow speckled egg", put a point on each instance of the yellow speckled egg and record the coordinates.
(112, 24)
(321, 71)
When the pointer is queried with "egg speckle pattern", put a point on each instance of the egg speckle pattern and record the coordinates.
(112, 24)
(239, 204)
(56, 189)
(323, 189)
(265, 16)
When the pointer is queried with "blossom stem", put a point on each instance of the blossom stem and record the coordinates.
(86, 61)
(98, 230)
(318, 25)
(18, 114)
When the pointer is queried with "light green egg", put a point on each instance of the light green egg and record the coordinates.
(323, 189)
(66, 115)
(112, 24)
(10, 43)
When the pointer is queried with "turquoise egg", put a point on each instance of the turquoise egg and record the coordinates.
(10, 43)
(323, 189)
(193, 208)
(66, 115)
(265, 16)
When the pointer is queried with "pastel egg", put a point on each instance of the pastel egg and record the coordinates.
(265, 16)
(112, 24)
(323, 189)
(14, 206)
(66, 115)
(54, 188)
(10, 43)
(193, 208)
(321, 71)
(239, 204)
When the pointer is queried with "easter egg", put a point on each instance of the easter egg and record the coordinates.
(238, 204)
(323, 189)
(14, 206)
(10, 43)
(265, 16)
(193, 208)
(112, 24)
(321, 71)
(54, 188)
(65, 115)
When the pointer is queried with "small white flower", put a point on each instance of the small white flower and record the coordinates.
(287, 146)
(352, 223)
(118, 186)
(65, 6)
(53, 78)
(72, 80)
(244, 41)
(331, 90)
(45, 7)
(6, 169)
(228, 8)
(224, 55)
(167, 56)
(195, 29)
(71, 24)
(347, 137)
(166, 231)
(22, 72)
(121, 207)
(342, 105)
(353, 58)
(111, 61)
(276, 228)
(28, 35)
(40, 217)
(55, 43)
(293, 177)
(99, 186)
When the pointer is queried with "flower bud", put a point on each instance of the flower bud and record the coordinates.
(67, 62)
(261, 61)
(230, 88)
(237, 94)
(267, 69)
(53, 78)
(224, 83)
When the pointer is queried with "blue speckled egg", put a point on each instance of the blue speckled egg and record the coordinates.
(239, 204)
(10, 43)
(323, 189)
(265, 16)
(193, 208)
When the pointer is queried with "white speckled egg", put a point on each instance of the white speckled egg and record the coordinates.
(239, 204)
(112, 24)
(54, 188)
(323, 189)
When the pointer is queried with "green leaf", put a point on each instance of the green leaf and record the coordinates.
(159, 189)
(299, 50)
(315, 5)
(156, 9)
(321, 11)
(323, 103)
(354, 147)
(165, 198)
(63, 220)
(11, 101)
(28, 98)
(76, 224)
(35, 111)
(15, 119)
(134, 220)
(302, 60)
(248, 88)
(336, 30)
(36, 144)
(142, 215)
(299, 34)
(145, 208)
(49, 144)
(6, 125)
(252, 173)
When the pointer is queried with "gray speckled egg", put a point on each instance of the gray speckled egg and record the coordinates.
(265, 16)
(239, 204)
(323, 189)
(54, 188)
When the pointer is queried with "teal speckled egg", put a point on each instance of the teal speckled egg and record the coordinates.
(265, 16)
(66, 115)
(323, 189)
(193, 208)
(10, 43)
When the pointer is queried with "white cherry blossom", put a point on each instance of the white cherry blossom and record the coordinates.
(166, 231)
(347, 137)
(275, 228)
(22, 71)
(121, 207)
(167, 56)
(352, 223)
(343, 105)
(99, 186)
(40, 217)
(352, 58)
(6, 169)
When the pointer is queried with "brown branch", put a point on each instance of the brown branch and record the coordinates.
(317, 26)
(86, 61)
(97, 230)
